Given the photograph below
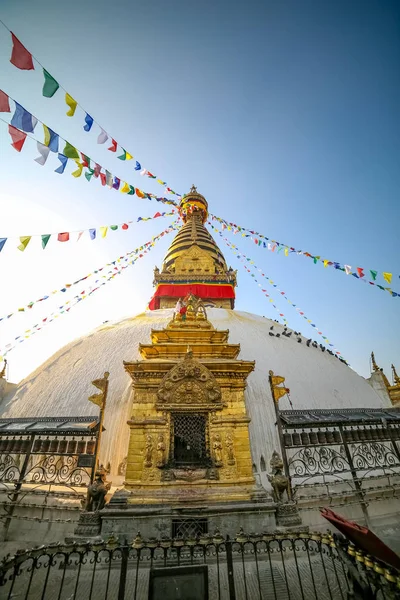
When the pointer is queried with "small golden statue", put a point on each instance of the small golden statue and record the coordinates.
(149, 452)
(161, 451)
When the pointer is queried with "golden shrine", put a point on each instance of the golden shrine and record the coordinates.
(189, 437)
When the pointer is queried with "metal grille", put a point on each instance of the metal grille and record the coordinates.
(189, 439)
(189, 528)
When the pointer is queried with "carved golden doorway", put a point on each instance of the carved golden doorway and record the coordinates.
(189, 440)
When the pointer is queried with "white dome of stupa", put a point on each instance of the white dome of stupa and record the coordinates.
(61, 386)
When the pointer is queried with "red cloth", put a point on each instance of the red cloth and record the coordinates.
(18, 138)
(20, 57)
(202, 290)
(4, 102)
(363, 538)
(63, 237)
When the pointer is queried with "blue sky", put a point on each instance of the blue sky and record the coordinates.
(284, 114)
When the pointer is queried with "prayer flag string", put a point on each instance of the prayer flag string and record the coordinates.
(114, 264)
(65, 308)
(24, 60)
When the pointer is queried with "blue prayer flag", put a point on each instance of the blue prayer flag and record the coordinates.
(138, 166)
(2, 242)
(22, 119)
(92, 233)
(89, 122)
(63, 160)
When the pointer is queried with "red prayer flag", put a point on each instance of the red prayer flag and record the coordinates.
(84, 160)
(63, 237)
(113, 147)
(4, 103)
(18, 138)
(124, 226)
(20, 57)
(360, 272)
(103, 178)
(157, 215)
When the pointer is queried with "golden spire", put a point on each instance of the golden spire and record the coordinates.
(374, 365)
(396, 378)
(3, 371)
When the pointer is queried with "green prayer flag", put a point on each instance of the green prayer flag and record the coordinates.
(123, 156)
(113, 227)
(45, 239)
(50, 85)
(70, 151)
(89, 174)
(374, 274)
(132, 191)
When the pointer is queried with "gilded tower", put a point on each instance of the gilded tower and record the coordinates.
(194, 263)
(189, 446)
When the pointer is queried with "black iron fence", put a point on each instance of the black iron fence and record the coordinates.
(250, 567)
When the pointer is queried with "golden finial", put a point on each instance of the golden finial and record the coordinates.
(396, 378)
(374, 365)
(3, 371)
(193, 189)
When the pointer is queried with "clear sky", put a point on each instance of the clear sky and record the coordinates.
(284, 113)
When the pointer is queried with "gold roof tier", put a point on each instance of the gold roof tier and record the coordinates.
(200, 350)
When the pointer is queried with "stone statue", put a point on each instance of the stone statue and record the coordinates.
(279, 481)
(229, 449)
(217, 447)
(161, 451)
(97, 492)
(148, 461)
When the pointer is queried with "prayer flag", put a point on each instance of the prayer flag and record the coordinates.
(45, 239)
(347, 268)
(139, 193)
(103, 231)
(63, 160)
(78, 171)
(97, 169)
(387, 277)
(71, 103)
(2, 242)
(124, 226)
(44, 152)
(113, 227)
(138, 166)
(89, 122)
(4, 102)
(132, 191)
(92, 233)
(50, 85)
(70, 151)
(85, 160)
(63, 237)
(103, 179)
(109, 179)
(125, 188)
(125, 155)
(50, 138)
(89, 174)
(18, 138)
(103, 137)
(25, 239)
(113, 147)
(374, 274)
(360, 272)
(116, 183)
(22, 119)
(20, 57)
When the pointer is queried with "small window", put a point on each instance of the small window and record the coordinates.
(254, 468)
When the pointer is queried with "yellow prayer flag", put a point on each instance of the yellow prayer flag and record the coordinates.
(24, 239)
(125, 188)
(326, 263)
(277, 379)
(78, 172)
(103, 231)
(286, 251)
(72, 105)
(128, 156)
(279, 392)
(387, 277)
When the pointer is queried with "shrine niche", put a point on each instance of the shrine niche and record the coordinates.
(195, 261)
(189, 386)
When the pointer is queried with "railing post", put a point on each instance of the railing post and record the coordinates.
(357, 482)
(123, 572)
(229, 565)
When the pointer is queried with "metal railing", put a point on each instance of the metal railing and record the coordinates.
(250, 567)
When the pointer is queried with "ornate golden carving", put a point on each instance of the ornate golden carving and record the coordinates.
(148, 460)
(189, 382)
(217, 449)
(161, 450)
(229, 448)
